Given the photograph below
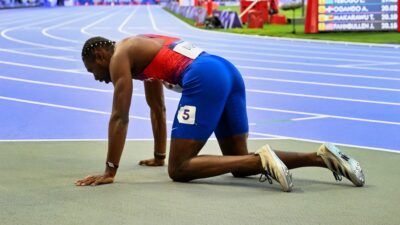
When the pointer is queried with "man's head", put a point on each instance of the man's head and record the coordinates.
(96, 55)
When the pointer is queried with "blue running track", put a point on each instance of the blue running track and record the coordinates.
(318, 91)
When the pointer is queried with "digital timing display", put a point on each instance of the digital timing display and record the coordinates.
(357, 15)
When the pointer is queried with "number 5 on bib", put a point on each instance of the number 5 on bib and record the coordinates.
(187, 114)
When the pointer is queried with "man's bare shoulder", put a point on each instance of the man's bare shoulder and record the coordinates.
(136, 51)
(136, 44)
(126, 44)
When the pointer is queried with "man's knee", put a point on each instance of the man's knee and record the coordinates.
(181, 151)
(178, 174)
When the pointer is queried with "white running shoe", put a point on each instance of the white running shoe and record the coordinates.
(274, 168)
(341, 164)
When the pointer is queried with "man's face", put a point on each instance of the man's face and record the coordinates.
(99, 69)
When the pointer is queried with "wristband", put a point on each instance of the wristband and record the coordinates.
(112, 165)
(158, 155)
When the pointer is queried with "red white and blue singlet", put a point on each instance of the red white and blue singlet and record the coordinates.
(213, 93)
(171, 61)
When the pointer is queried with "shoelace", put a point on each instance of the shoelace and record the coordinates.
(338, 172)
(265, 176)
(337, 176)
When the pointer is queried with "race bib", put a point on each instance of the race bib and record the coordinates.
(187, 114)
(188, 49)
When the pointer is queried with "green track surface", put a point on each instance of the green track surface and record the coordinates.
(37, 189)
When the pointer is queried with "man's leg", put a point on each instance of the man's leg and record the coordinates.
(184, 164)
(236, 146)
(295, 160)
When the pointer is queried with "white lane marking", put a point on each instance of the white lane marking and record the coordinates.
(8, 22)
(325, 115)
(322, 141)
(321, 83)
(309, 118)
(83, 29)
(376, 69)
(104, 139)
(26, 48)
(293, 53)
(318, 73)
(120, 28)
(38, 55)
(287, 62)
(56, 84)
(70, 140)
(73, 87)
(323, 97)
(43, 67)
(153, 22)
(46, 29)
(298, 55)
(4, 35)
(56, 106)
(285, 111)
(69, 107)
(369, 64)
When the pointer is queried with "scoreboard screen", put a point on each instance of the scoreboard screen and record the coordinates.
(357, 15)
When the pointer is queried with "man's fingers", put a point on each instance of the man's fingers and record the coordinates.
(94, 180)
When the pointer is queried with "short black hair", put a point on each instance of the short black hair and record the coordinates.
(94, 42)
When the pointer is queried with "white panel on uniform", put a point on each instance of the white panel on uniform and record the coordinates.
(188, 49)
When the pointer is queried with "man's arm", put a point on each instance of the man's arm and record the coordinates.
(155, 100)
(119, 120)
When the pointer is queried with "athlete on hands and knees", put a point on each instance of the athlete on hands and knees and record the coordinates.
(213, 100)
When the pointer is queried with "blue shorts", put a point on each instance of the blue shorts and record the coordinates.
(213, 100)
